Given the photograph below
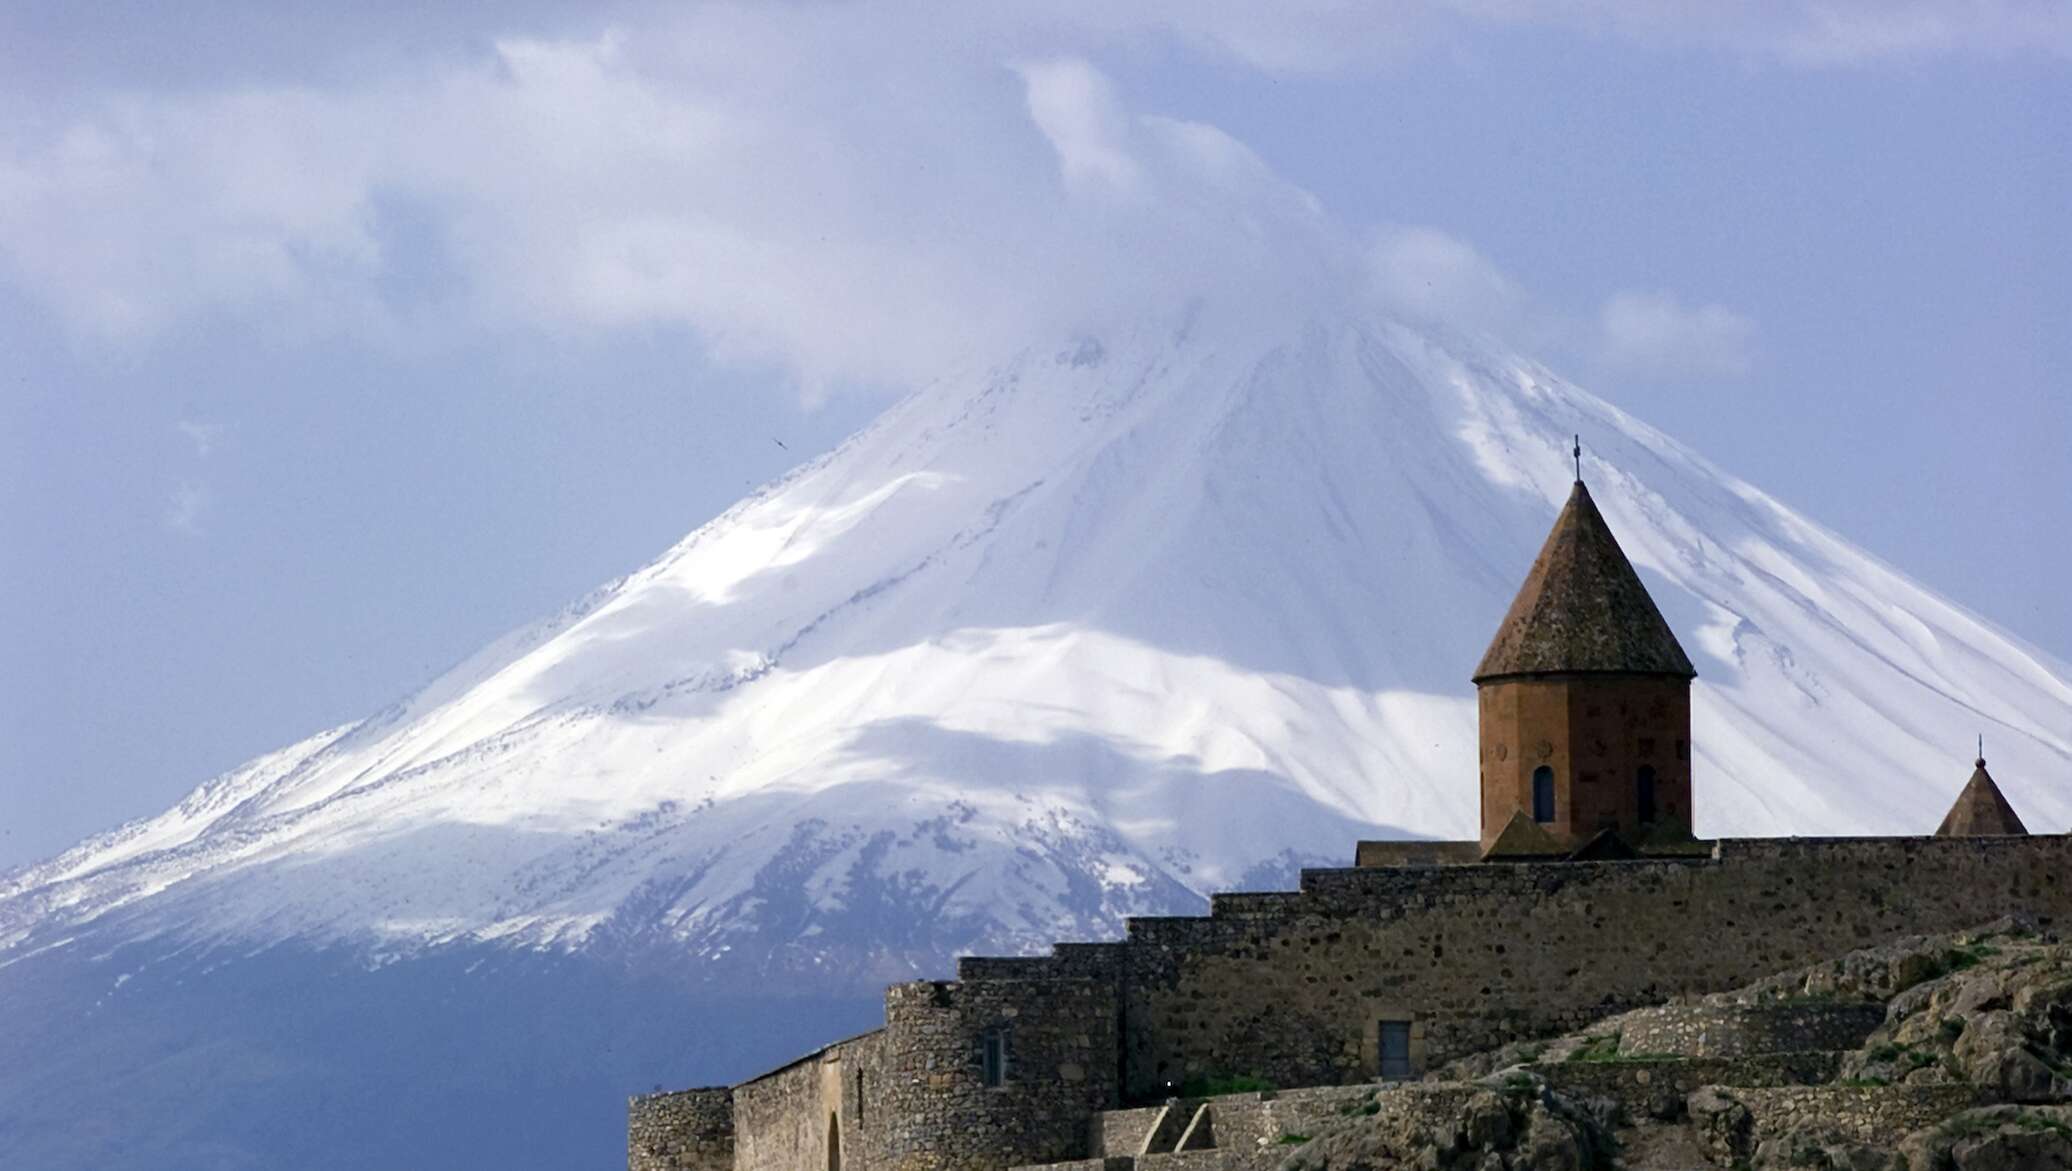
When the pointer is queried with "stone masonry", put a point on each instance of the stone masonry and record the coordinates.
(1292, 988)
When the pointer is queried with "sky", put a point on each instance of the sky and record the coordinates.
(340, 339)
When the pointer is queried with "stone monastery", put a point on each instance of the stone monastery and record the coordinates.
(1586, 895)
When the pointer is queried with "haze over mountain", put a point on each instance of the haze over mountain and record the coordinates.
(1118, 622)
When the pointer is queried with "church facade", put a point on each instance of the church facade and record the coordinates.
(1585, 894)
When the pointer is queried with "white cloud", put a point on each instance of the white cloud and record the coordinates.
(1428, 274)
(1801, 33)
(1653, 335)
(855, 194)
(184, 511)
(1076, 108)
(852, 192)
(1338, 36)
(205, 437)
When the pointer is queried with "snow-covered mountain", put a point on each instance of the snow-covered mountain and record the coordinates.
(1113, 625)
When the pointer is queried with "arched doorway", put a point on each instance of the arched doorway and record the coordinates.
(1543, 794)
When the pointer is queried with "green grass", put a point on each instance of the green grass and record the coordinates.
(1293, 1140)
(1968, 956)
(2029, 1120)
(1600, 1048)
(1217, 1085)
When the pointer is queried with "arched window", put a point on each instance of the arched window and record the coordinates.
(992, 1058)
(1644, 792)
(834, 1143)
(1543, 794)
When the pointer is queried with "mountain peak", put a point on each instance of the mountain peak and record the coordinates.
(1133, 617)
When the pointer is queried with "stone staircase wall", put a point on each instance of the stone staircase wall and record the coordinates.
(1737, 1030)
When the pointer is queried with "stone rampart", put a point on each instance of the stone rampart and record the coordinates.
(1300, 988)
(690, 1130)
(815, 1112)
(1733, 1122)
(1658, 1089)
(1289, 987)
(1263, 1123)
(1741, 1030)
(1123, 1132)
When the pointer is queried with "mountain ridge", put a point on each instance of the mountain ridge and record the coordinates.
(1106, 628)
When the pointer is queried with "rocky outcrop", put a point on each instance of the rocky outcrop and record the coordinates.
(2001, 1019)
(1513, 1124)
(1967, 1065)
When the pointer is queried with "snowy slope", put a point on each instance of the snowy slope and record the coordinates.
(1116, 624)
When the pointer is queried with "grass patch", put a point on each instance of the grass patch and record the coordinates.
(1217, 1085)
(1604, 1047)
(1969, 956)
(1292, 1139)
(2032, 1121)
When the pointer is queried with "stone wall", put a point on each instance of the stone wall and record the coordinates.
(1860, 1114)
(1061, 1045)
(1122, 1132)
(911, 1096)
(691, 1130)
(1258, 1123)
(1657, 1089)
(813, 1113)
(1288, 987)
(1698, 1030)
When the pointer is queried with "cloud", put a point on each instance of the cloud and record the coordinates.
(1427, 274)
(1075, 107)
(1653, 335)
(1799, 33)
(851, 193)
(752, 175)
(205, 437)
(184, 511)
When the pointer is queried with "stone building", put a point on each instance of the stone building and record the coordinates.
(1585, 896)
(1584, 696)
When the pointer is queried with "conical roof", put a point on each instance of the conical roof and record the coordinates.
(1582, 608)
(1980, 810)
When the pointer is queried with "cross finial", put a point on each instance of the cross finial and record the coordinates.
(1579, 459)
(1982, 750)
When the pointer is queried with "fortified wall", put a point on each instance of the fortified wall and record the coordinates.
(1293, 988)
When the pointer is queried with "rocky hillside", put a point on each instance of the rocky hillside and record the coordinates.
(1939, 1053)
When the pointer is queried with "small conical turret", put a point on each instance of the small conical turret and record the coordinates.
(1981, 810)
